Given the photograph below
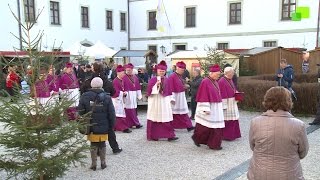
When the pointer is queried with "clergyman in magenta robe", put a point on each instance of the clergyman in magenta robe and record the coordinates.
(230, 107)
(133, 88)
(180, 110)
(209, 113)
(118, 100)
(159, 113)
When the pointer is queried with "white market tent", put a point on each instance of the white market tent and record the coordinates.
(77, 49)
(99, 50)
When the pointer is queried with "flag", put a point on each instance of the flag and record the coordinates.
(161, 17)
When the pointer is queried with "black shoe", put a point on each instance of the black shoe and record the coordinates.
(103, 166)
(173, 139)
(315, 123)
(190, 129)
(139, 126)
(195, 143)
(219, 148)
(94, 168)
(127, 131)
(117, 151)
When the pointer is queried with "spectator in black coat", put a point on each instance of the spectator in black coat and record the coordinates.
(81, 74)
(99, 103)
(186, 75)
(285, 74)
(143, 77)
(194, 85)
(98, 72)
(108, 88)
(88, 72)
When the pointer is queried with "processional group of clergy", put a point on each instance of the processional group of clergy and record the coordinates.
(216, 116)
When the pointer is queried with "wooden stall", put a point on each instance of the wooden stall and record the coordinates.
(266, 60)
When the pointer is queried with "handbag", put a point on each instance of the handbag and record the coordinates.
(239, 96)
(84, 125)
(84, 121)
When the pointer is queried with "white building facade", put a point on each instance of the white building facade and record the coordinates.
(65, 22)
(225, 24)
(191, 24)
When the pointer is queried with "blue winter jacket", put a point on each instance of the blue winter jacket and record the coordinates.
(288, 76)
(100, 104)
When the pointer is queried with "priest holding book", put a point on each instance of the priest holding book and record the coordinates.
(230, 107)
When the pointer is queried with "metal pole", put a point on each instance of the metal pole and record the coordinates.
(19, 24)
(128, 24)
(317, 44)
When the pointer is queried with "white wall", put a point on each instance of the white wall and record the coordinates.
(260, 21)
(70, 29)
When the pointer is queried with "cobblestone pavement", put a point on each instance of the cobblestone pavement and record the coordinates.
(142, 159)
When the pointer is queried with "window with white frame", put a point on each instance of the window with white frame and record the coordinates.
(29, 11)
(84, 17)
(152, 21)
(54, 13)
(109, 19)
(235, 13)
(191, 17)
(222, 46)
(270, 43)
(287, 8)
(153, 48)
(123, 22)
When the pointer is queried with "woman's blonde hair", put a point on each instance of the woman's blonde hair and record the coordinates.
(278, 98)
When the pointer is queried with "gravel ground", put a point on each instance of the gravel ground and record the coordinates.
(310, 164)
(142, 159)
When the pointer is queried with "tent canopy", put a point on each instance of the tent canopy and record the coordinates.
(134, 53)
(77, 49)
(99, 50)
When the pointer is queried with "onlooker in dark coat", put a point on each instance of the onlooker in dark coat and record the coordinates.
(98, 72)
(285, 74)
(88, 72)
(113, 72)
(99, 103)
(305, 63)
(108, 88)
(194, 85)
(143, 77)
(81, 74)
(185, 75)
(316, 120)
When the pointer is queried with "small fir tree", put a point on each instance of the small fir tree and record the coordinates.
(37, 141)
(214, 56)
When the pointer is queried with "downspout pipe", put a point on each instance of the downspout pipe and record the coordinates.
(128, 7)
(317, 43)
(19, 25)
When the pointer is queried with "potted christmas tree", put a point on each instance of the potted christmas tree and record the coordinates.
(36, 140)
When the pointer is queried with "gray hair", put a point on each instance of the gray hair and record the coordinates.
(228, 69)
